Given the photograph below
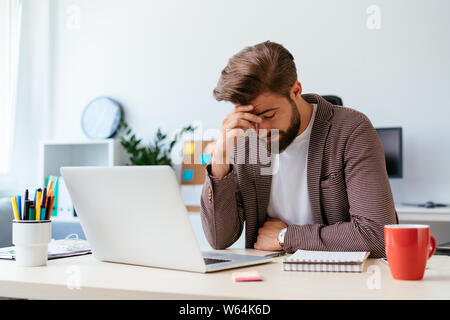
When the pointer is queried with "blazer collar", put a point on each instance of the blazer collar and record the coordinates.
(324, 108)
(319, 133)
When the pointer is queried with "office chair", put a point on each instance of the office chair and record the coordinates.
(334, 100)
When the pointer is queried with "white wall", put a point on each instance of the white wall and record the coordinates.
(162, 59)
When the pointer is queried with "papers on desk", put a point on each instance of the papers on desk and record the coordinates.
(56, 249)
(328, 261)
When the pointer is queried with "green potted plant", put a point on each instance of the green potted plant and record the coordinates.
(156, 153)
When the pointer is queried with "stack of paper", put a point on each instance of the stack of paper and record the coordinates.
(56, 249)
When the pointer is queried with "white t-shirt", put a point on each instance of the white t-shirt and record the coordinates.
(289, 198)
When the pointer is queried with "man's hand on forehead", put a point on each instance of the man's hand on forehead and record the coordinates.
(245, 117)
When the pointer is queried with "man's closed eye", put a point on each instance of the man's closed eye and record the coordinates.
(269, 116)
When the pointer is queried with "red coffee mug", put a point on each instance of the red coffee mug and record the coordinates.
(408, 247)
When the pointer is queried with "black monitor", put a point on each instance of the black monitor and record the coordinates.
(391, 140)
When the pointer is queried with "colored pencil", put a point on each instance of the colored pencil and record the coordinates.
(28, 203)
(32, 213)
(47, 208)
(15, 210)
(25, 210)
(38, 205)
(44, 198)
(19, 206)
(51, 208)
(35, 194)
(50, 184)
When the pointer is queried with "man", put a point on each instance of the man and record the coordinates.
(329, 190)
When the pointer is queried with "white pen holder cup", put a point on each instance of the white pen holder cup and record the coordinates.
(31, 239)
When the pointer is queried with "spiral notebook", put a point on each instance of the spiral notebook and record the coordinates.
(326, 261)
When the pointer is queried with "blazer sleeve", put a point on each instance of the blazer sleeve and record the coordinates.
(221, 210)
(371, 205)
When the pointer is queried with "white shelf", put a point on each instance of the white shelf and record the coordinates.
(56, 154)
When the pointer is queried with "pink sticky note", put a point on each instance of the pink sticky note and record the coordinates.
(246, 276)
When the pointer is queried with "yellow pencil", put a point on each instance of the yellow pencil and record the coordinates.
(38, 205)
(15, 210)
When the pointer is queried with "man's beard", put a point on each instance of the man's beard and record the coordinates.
(286, 136)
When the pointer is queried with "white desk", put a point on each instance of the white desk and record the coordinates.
(100, 280)
(418, 214)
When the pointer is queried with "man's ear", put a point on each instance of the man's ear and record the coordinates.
(296, 89)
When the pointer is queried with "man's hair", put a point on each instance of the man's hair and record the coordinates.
(266, 67)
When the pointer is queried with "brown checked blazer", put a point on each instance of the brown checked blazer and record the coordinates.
(348, 188)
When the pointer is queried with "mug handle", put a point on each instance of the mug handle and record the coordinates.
(432, 246)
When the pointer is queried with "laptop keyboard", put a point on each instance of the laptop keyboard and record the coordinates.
(212, 261)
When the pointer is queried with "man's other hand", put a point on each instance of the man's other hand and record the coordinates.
(268, 235)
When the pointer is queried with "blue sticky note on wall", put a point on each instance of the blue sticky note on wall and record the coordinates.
(188, 175)
(206, 157)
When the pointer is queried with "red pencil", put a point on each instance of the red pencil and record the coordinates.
(51, 208)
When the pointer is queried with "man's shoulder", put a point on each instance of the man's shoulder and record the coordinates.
(343, 122)
(335, 114)
(348, 115)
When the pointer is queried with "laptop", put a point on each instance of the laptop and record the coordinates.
(136, 215)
